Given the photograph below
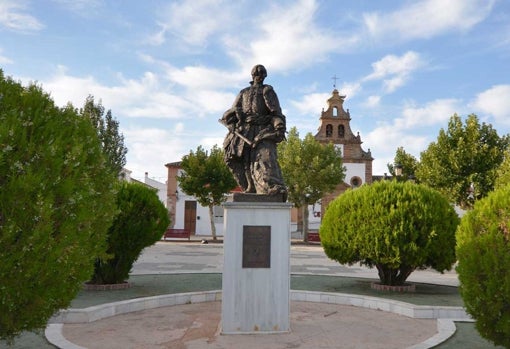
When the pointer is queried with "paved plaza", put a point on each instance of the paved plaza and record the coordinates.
(181, 257)
(197, 325)
(169, 268)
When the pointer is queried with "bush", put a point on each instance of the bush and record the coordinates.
(141, 221)
(396, 227)
(56, 203)
(483, 252)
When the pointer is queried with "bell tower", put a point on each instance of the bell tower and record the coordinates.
(335, 128)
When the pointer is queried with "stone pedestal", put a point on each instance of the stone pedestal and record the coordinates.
(256, 269)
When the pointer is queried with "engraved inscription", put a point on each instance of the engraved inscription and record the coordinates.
(256, 246)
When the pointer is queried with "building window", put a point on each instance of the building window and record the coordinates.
(218, 214)
(356, 182)
(341, 131)
(329, 130)
(335, 111)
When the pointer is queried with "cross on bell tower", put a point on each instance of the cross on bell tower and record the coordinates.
(334, 78)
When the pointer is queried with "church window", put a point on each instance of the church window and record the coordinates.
(356, 182)
(335, 111)
(329, 130)
(341, 131)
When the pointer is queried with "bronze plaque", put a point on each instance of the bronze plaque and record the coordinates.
(256, 246)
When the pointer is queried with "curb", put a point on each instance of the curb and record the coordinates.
(445, 315)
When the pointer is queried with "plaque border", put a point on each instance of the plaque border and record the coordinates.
(262, 230)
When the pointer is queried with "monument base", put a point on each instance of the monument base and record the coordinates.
(256, 268)
(252, 197)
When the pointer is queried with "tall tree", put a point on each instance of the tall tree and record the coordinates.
(483, 264)
(406, 161)
(107, 127)
(310, 170)
(462, 163)
(503, 172)
(206, 177)
(57, 200)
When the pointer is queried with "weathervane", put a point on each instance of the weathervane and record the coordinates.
(334, 78)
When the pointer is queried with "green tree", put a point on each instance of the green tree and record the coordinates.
(483, 252)
(206, 177)
(57, 200)
(407, 162)
(397, 227)
(462, 163)
(310, 170)
(141, 221)
(107, 129)
(503, 172)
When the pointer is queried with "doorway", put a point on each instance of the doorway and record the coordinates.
(190, 216)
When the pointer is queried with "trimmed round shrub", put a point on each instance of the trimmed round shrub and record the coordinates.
(483, 252)
(57, 200)
(141, 221)
(396, 227)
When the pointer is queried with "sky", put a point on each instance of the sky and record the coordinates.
(168, 70)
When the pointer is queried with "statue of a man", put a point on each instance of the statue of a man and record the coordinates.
(256, 125)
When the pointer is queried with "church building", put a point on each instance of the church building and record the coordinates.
(335, 128)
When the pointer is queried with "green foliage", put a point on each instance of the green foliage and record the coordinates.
(141, 221)
(310, 169)
(107, 128)
(462, 163)
(57, 200)
(206, 177)
(503, 172)
(407, 161)
(483, 252)
(397, 227)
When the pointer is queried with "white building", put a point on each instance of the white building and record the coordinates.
(161, 188)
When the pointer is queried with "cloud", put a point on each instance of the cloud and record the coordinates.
(437, 112)
(414, 129)
(149, 149)
(426, 19)
(201, 77)
(146, 97)
(14, 16)
(350, 89)
(149, 97)
(311, 104)
(496, 102)
(194, 21)
(384, 140)
(395, 70)
(286, 38)
(213, 102)
(4, 59)
(373, 101)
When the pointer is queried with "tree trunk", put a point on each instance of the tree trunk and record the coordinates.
(299, 220)
(211, 218)
(305, 222)
(393, 276)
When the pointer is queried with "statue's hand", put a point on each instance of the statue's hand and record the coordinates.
(275, 135)
(280, 135)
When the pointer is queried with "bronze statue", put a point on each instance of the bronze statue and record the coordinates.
(256, 125)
